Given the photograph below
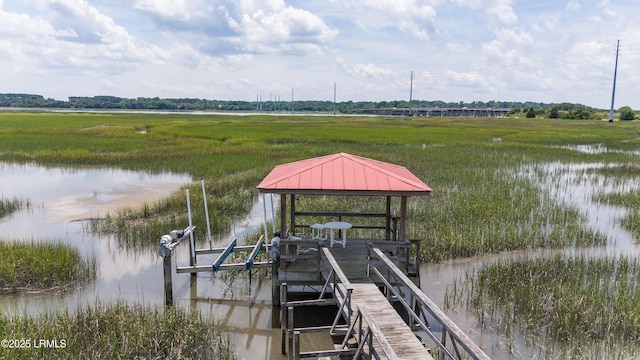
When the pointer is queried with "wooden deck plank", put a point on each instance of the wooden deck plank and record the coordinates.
(403, 341)
(353, 261)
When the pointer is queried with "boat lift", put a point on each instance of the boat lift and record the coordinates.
(170, 241)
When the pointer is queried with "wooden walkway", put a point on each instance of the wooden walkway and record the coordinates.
(353, 277)
(401, 338)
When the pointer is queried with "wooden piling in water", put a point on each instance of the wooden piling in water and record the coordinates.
(168, 286)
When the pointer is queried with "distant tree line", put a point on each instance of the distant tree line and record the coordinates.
(527, 109)
(143, 103)
(570, 111)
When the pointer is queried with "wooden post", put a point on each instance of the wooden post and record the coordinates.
(168, 287)
(296, 345)
(388, 219)
(283, 215)
(417, 259)
(402, 231)
(291, 329)
(275, 286)
(283, 319)
(283, 226)
(292, 212)
(192, 259)
(193, 288)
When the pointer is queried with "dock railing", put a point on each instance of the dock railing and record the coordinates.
(418, 305)
(365, 336)
(371, 342)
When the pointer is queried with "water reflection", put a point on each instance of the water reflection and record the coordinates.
(61, 199)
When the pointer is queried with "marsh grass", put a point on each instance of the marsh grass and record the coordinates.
(118, 331)
(631, 202)
(629, 199)
(572, 300)
(8, 206)
(488, 210)
(228, 199)
(32, 266)
(482, 203)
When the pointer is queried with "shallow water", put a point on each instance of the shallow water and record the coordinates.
(61, 202)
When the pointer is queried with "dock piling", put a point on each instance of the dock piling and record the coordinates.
(168, 285)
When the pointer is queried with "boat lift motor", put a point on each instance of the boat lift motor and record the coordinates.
(274, 252)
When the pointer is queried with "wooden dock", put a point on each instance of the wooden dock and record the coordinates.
(301, 259)
(362, 280)
(400, 337)
(368, 283)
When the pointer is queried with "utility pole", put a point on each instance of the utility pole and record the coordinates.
(411, 93)
(291, 100)
(615, 75)
(334, 99)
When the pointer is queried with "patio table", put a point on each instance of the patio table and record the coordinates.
(340, 226)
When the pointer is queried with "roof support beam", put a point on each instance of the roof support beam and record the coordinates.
(402, 231)
(388, 220)
(283, 214)
(292, 227)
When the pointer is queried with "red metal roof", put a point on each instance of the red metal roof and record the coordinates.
(343, 174)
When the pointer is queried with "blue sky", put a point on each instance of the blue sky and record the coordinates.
(459, 50)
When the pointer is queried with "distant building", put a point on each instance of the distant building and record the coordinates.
(463, 111)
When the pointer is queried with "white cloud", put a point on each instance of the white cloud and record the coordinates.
(499, 10)
(232, 49)
(458, 47)
(72, 34)
(411, 16)
(369, 70)
(276, 26)
(247, 25)
(514, 36)
(466, 78)
(179, 10)
(573, 6)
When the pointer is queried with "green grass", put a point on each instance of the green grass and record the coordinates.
(480, 203)
(228, 199)
(628, 199)
(116, 331)
(631, 202)
(42, 267)
(485, 172)
(7, 206)
(572, 300)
